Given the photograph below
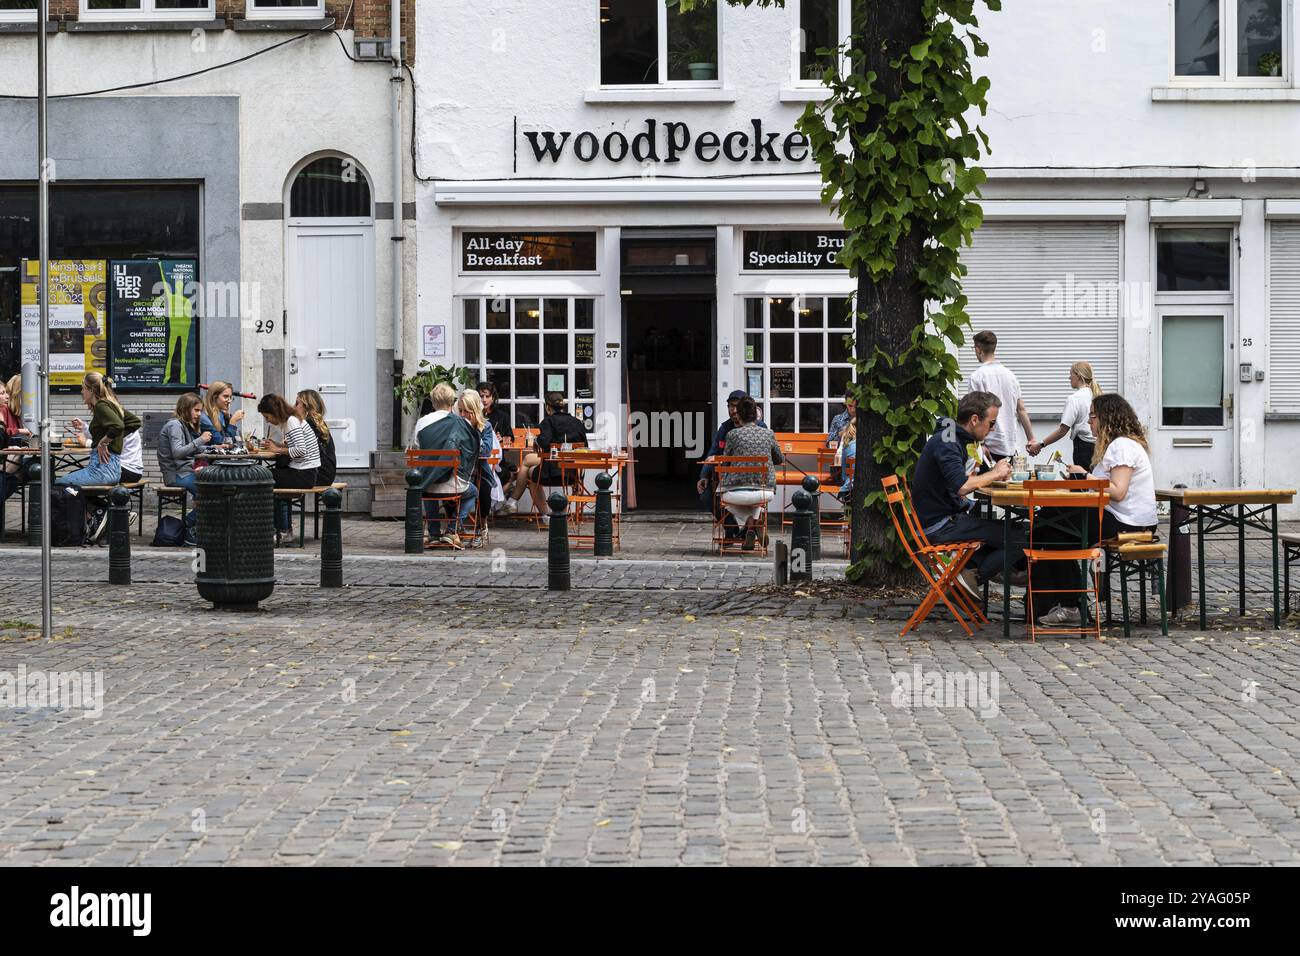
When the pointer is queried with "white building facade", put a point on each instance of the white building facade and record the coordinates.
(613, 204)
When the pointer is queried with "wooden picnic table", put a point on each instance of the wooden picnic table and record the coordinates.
(1216, 509)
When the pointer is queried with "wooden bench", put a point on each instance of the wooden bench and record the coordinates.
(135, 489)
(1290, 556)
(1138, 551)
(339, 486)
(297, 500)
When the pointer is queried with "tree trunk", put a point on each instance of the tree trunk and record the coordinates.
(888, 310)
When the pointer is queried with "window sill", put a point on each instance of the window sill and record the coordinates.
(283, 23)
(663, 94)
(1220, 93)
(804, 94)
(26, 26)
(141, 26)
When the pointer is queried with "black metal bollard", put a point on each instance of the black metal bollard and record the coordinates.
(331, 541)
(34, 506)
(119, 537)
(813, 486)
(801, 560)
(1179, 573)
(414, 512)
(603, 546)
(557, 553)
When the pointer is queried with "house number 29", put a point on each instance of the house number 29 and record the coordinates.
(266, 325)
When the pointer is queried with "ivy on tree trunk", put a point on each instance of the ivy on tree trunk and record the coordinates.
(898, 161)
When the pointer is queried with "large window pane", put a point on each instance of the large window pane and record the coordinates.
(693, 44)
(1193, 260)
(629, 41)
(527, 314)
(1196, 37)
(1191, 369)
(818, 29)
(8, 5)
(1259, 38)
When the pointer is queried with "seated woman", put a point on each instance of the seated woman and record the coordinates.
(217, 417)
(311, 409)
(12, 435)
(107, 431)
(558, 428)
(742, 494)
(470, 408)
(1122, 458)
(132, 457)
(179, 443)
(304, 458)
(845, 457)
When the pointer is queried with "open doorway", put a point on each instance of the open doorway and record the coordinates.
(669, 344)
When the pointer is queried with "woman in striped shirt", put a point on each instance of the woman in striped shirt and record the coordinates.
(304, 458)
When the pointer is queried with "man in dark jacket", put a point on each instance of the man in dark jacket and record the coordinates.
(946, 475)
(442, 429)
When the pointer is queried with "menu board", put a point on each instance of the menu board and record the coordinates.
(153, 340)
(77, 313)
(528, 252)
(782, 383)
(585, 348)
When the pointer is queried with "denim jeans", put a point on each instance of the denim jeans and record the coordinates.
(95, 472)
(988, 559)
(190, 483)
(432, 511)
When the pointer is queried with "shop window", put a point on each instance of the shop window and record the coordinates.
(528, 346)
(332, 187)
(145, 9)
(285, 9)
(797, 363)
(1233, 40)
(643, 42)
(1191, 370)
(1193, 259)
(89, 222)
(17, 10)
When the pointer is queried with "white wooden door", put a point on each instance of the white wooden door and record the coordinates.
(1193, 438)
(332, 329)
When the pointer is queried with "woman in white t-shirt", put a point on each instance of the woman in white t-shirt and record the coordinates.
(1074, 420)
(1123, 459)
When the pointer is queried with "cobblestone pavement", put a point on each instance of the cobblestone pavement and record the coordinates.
(413, 717)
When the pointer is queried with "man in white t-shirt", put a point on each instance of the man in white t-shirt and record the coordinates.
(993, 376)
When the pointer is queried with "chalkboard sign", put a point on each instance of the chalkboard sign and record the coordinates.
(585, 346)
(782, 383)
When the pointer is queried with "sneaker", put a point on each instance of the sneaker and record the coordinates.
(750, 537)
(95, 525)
(1059, 616)
(969, 582)
(509, 506)
(451, 540)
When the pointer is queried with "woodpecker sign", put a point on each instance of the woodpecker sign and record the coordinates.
(666, 143)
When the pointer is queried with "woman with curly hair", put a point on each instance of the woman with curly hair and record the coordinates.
(1123, 459)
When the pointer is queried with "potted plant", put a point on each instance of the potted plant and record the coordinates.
(416, 388)
(1269, 64)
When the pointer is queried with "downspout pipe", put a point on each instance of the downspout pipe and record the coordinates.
(399, 223)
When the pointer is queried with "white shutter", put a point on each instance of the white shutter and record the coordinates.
(1284, 318)
(1018, 275)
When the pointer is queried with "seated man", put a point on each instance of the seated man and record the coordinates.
(704, 487)
(945, 476)
(440, 429)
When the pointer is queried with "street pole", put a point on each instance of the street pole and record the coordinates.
(43, 297)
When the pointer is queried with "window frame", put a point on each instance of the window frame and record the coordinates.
(145, 12)
(253, 12)
(661, 55)
(1228, 76)
(844, 16)
(18, 16)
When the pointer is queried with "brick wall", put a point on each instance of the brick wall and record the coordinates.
(369, 18)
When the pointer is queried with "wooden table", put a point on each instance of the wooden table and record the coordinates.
(1013, 499)
(1215, 509)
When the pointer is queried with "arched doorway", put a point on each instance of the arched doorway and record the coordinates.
(331, 299)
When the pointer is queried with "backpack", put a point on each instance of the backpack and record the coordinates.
(170, 533)
(67, 517)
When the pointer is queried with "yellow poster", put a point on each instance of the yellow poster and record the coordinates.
(78, 301)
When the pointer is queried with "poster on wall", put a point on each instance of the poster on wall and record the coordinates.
(435, 340)
(153, 340)
(78, 302)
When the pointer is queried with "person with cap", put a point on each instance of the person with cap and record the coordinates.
(705, 484)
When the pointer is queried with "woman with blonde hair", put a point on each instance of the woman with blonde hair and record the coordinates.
(1074, 420)
(107, 432)
(311, 409)
(12, 435)
(490, 493)
(217, 417)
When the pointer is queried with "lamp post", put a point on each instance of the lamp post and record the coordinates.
(43, 297)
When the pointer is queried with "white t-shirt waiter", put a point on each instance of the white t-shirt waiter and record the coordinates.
(993, 376)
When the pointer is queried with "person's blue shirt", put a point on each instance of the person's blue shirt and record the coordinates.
(220, 436)
(941, 472)
(838, 424)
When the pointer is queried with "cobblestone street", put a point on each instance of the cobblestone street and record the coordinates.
(657, 714)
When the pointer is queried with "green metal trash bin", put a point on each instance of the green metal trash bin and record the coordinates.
(235, 534)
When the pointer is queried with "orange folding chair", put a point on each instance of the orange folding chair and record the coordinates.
(1045, 495)
(755, 466)
(939, 564)
(442, 458)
